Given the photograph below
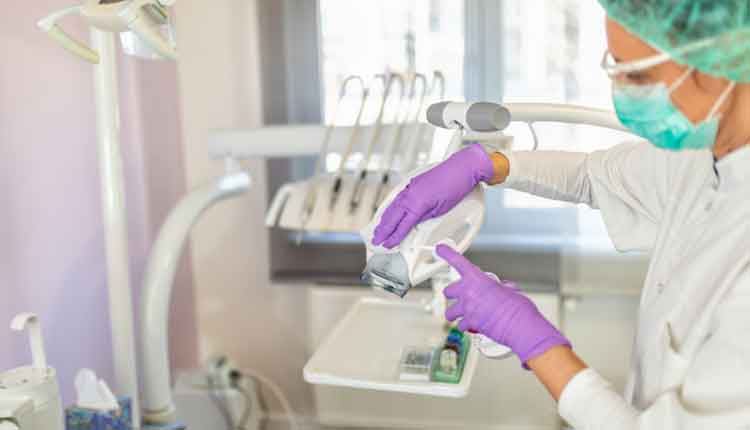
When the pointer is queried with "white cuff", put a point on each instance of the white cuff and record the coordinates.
(588, 402)
(573, 397)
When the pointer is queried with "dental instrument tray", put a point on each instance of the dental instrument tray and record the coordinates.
(366, 350)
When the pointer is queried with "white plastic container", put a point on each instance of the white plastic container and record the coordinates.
(29, 395)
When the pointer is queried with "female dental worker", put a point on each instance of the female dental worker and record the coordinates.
(681, 80)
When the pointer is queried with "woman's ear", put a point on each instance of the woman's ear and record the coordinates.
(709, 84)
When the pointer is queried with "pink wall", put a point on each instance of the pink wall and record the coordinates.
(51, 237)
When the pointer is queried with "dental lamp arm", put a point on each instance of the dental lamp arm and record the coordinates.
(157, 290)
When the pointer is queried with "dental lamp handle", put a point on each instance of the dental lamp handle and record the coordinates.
(72, 45)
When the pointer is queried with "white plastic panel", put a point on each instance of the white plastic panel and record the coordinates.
(365, 348)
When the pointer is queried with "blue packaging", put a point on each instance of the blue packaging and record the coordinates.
(87, 419)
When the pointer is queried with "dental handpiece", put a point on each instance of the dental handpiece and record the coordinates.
(311, 194)
(436, 92)
(410, 116)
(320, 167)
(378, 130)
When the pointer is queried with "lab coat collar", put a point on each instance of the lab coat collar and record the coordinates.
(734, 169)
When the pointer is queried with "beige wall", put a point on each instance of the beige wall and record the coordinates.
(239, 313)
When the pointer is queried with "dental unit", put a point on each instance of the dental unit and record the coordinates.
(287, 141)
(414, 262)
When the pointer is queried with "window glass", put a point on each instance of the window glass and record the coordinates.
(403, 36)
(555, 61)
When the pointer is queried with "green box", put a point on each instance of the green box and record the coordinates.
(454, 377)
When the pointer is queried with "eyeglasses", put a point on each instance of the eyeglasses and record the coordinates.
(615, 69)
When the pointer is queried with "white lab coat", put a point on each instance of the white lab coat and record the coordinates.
(691, 359)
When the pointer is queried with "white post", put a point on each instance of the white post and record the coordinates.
(115, 219)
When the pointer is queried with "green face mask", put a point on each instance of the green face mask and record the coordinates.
(648, 111)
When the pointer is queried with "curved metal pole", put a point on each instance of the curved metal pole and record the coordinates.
(158, 407)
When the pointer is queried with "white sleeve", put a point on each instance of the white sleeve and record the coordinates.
(628, 183)
(714, 394)
(589, 402)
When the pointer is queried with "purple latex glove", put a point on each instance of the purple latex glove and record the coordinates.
(497, 310)
(433, 193)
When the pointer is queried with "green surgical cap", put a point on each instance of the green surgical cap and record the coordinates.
(711, 35)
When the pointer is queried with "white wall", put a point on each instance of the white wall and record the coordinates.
(51, 242)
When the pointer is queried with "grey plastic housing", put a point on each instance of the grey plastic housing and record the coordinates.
(435, 114)
(480, 117)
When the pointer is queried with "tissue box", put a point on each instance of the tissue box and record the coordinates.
(86, 419)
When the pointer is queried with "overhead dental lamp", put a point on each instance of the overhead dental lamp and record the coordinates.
(137, 21)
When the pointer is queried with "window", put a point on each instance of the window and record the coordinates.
(370, 37)
(556, 61)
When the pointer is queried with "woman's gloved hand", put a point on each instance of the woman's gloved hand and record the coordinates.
(433, 193)
(497, 310)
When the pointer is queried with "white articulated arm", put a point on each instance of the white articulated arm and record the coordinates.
(157, 290)
(491, 117)
(564, 113)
